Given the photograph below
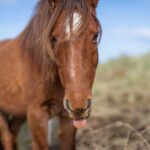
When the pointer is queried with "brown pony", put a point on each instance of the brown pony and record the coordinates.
(49, 69)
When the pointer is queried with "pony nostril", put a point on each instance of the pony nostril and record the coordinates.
(66, 105)
(89, 103)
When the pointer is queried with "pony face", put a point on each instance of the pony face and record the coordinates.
(75, 44)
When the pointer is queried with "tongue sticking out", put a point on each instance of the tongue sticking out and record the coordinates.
(80, 124)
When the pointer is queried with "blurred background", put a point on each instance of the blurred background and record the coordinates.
(120, 118)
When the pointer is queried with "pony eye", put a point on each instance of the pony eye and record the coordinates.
(95, 37)
(53, 41)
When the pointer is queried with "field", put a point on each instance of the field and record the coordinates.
(120, 118)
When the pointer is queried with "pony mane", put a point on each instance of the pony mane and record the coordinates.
(36, 38)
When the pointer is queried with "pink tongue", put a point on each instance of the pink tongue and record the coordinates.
(80, 124)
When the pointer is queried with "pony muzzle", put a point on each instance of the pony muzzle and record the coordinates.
(79, 115)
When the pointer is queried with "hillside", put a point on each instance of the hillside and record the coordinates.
(124, 81)
(125, 72)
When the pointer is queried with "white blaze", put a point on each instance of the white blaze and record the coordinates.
(76, 22)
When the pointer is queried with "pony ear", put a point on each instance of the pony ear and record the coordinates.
(93, 3)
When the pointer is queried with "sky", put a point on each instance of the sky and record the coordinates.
(125, 24)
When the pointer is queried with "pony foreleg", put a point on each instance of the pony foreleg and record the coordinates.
(6, 136)
(15, 125)
(38, 123)
(67, 134)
